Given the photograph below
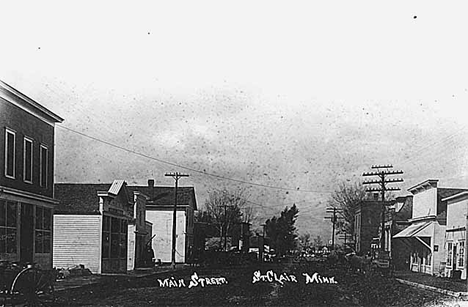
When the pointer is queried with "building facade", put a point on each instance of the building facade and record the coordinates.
(425, 236)
(397, 219)
(137, 232)
(160, 211)
(91, 226)
(366, 225)
(26, 178)
(455, 235)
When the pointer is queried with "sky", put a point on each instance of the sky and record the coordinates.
(283, 99)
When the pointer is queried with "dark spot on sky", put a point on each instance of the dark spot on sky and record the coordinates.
(39, 48)
(414, 17)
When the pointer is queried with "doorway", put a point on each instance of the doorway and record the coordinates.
(26, 233)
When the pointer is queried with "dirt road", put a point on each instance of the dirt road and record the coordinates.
(293, 284)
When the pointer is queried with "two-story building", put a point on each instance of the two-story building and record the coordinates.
(26, 178)
(160, 211)
(425, 236)
(455, 235)
(367, 219)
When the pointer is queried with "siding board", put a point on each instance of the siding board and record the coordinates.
(77, 241)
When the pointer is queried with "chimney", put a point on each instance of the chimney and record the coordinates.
(151, 186)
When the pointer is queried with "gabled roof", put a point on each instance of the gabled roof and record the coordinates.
(83, 198)
(164, 196)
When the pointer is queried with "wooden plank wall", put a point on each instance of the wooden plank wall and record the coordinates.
(77, 240)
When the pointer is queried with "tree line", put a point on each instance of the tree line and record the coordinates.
(227, 213)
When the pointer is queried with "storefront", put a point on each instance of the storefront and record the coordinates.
(26, 232)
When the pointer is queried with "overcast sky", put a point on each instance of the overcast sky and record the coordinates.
(294, 97)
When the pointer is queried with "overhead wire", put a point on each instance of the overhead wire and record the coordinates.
(189, 168)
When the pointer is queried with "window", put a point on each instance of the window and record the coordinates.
(43, 230)
(10, 154)
(106, 238)
(28, 160)
(449, 254)
(114, 238)
(7, 227)
(44, 166)
(461, 254)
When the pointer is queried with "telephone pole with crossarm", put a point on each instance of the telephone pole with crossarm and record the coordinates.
(382, 172)
(176, 177)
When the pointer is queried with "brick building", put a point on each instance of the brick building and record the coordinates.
(26, 178)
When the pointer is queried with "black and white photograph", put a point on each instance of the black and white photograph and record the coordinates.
(234, 153)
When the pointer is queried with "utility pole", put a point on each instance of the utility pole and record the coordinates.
(176, 177)
(382, 172)
(334, 219)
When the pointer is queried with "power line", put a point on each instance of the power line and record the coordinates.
(188, 168)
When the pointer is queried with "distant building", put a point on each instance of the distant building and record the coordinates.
(396, 219)
(425, 236)
(159, 211)
(138, 232)
(367, 220)
(91, 226)
(26, 178)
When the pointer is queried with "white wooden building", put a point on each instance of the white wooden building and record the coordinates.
(425, 235)
(455, 234)
(91, 226)
(160, 210)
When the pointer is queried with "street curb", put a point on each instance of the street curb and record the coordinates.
(426, 287)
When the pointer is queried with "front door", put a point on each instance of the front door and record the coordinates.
(26, 233)
(454, 256)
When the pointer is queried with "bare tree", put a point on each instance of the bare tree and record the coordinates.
(347, 197)
(224, 209)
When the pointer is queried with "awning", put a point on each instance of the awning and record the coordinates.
(416, 230)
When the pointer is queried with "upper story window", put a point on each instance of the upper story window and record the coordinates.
(43, 160)
(10, 153)
(28, 160)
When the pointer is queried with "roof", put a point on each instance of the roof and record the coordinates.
(164, 196)
(455, 196)
(116, 186)
(415, 230)
(29, 103)
(430, 183)
(79, 197)
(82, 198)
(443, 193)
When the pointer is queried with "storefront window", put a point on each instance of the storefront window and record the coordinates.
(7, 227)
(114, 242)
(106, 237)
(449, 254)
(461, 254)
(43, 231)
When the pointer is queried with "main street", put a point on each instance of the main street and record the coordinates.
(291, 284)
